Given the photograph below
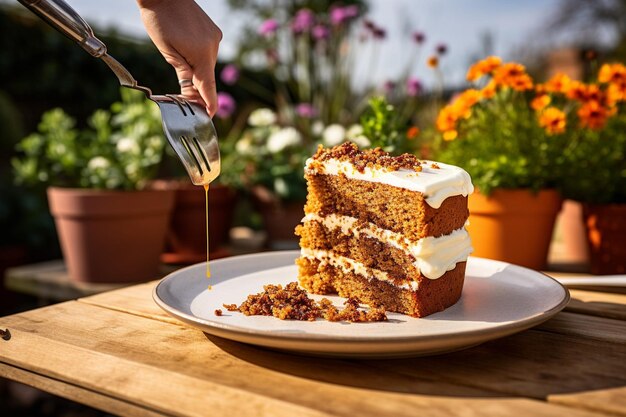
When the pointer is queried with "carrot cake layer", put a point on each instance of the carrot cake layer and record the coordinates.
(384, 230)
(419, 299)
(369, 244)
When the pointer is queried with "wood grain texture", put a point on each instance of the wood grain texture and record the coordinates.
(172, 369)
(600, 304)
(136, 300)
(541, 364)
(76, 393)
(590, 327)
(612, 401)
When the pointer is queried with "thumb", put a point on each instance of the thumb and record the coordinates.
(204, 82)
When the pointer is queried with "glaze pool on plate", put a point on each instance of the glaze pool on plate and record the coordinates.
(498, 299)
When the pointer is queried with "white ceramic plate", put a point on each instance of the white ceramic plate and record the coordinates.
(498, 299)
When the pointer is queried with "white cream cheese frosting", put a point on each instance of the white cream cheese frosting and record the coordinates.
(351, 266)
(436, 184)
(434, 256)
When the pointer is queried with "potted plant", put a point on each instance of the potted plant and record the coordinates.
(110, 229)
(309, 57)
(594, 158)
(507, 134)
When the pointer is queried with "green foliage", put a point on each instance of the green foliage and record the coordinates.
(271, 156)
(383, 127)
(120, 148)
(502, 146)
(595, 163)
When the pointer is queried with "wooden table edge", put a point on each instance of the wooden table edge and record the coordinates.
(76, 393)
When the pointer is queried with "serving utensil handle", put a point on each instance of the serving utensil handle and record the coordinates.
(63, 18)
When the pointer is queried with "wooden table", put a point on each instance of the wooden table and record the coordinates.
(119, 352)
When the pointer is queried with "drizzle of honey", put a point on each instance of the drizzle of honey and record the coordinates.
(206, 202)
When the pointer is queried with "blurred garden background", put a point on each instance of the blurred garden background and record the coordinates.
(294, 74)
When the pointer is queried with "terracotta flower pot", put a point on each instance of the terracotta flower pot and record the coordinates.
(606, 232)
(111, 236)
(569, 222)
(279, 218)
(513, 225)
(186, 236)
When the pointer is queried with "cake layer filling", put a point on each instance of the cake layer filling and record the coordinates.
(437, 181)
(433, 256)
(433, 295)
(348, 265)
(391, 208)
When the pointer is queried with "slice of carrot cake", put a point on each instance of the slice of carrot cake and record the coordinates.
(387, 231)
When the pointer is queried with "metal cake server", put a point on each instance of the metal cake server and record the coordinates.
(187, 125)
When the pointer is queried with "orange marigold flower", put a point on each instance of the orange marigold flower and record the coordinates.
(552, 120)
(559, 83)
(467, 98)
(433, 61)
(412, 132)
(611, 73)
(512, 75)
(593, 115)
(450, 135)
(508, 71)
(540, 102)
(489, 90)
(484, 67)
(447, 118)
(521, 83)
(615, 92)
(586, 92)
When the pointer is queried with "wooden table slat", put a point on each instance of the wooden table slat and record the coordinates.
(120, 352)
(600, 304)
(180, 370)
(76, 393)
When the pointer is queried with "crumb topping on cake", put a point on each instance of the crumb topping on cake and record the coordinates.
(293, 303)
(436, 182)
(370, 158)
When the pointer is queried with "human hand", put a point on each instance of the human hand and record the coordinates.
(188, 40)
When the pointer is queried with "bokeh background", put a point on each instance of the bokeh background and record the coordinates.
(41, 70)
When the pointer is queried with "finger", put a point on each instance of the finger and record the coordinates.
(204, 82)
(184, 72)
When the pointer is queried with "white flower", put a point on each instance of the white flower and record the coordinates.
(59, 149)
(282, 139)
(354, 131)
(334, 134)
(244, 145)
(132, 169)
(127, 145)
(262, 117)
(98, 162)
(317, 128)
(361, 141)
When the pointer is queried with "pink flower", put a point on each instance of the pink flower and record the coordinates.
(389, 86)
(320, 32)
(225, 105)
(339, 15)
(268, 27)
(229, 74)
(379, 33)
(303, 21)
(413, 87)
(351, 11)
(306, 110)
(419, 37)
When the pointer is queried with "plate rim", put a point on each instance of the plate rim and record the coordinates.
(497, 331)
